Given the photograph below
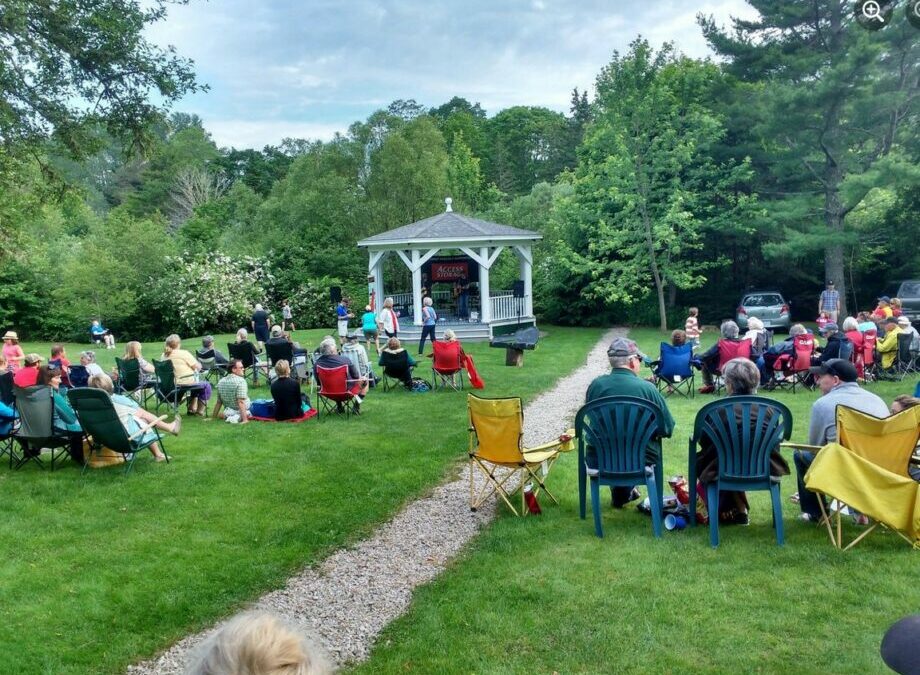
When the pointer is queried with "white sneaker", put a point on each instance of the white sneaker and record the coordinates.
(359, 400)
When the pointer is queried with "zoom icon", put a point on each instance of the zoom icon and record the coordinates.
(875, 14)
(913, 13)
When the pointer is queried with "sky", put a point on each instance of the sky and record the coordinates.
(309, 68)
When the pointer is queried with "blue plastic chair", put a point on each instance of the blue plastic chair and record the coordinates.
(743, 450)
(620, 429)
(675, 371)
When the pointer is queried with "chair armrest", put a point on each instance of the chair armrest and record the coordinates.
(563, 445)
(144, 429)
(801, 446)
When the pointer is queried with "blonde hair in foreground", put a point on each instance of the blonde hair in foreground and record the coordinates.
(257, 643)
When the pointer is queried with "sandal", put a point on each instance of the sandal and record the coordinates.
(177, 425)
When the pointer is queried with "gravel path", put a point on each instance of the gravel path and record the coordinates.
(346, 601)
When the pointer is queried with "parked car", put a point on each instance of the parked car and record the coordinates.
(908, 292)
(768, 306)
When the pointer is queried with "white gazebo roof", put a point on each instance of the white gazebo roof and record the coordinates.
(449, 229)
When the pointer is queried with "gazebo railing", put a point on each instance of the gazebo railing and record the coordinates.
(506, 306)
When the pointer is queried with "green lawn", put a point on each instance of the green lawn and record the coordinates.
(545, 595)
(101, 570)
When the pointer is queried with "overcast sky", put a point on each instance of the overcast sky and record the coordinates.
(309, 68)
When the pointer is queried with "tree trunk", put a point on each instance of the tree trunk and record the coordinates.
(672, 294)
(833, 251)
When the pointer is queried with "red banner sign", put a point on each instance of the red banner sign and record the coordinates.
(449, 271)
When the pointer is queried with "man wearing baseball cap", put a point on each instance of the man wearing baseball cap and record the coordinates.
(906, 327)
(837, 380)
(830, 301)
(838, 345)
(624, 380)
(27, 376)
(887, 347)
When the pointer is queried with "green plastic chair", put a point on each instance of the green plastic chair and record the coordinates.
(36, 424)
(165, 388)
(99, 419)
(743, 447)
(131, 380)
(620, 430)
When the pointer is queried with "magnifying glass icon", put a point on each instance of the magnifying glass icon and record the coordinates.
(872, 11)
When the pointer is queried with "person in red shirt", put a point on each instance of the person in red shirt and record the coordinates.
(27, 376)
(59, 355)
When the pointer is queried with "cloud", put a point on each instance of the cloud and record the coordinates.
(323, 64)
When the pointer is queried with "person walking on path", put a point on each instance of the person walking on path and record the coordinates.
(830, 302)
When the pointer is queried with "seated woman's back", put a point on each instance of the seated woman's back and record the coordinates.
(286, 394)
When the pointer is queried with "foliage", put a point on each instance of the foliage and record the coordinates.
(71, 65)
(208, 291)
(833, 113)
(647, 185)
(311, 303)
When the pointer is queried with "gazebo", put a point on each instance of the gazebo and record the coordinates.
(479, 244)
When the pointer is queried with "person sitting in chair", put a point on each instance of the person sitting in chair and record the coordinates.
(741, 379)
(623, 380)
(133, 417)
(88, 361)
(207, 348)
(710, 358)
(65, 420)
(887, 347)
(329, 358)
(185, 369)
(355, 351)
(27, 376)
(836, 341)
(102, 334)
(397, 362)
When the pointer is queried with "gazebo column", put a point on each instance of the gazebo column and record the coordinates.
(416, 268)
(375, 269)
(525, 257)
(485, 297)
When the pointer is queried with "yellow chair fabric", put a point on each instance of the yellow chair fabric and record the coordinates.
(867, 470)
(496, 440)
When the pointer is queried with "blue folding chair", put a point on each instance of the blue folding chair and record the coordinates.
(675, 372)
(743, 439)
(620, 430)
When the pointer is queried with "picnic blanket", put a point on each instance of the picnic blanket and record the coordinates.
(307, 415)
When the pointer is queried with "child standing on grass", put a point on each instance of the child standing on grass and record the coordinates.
(692, 327)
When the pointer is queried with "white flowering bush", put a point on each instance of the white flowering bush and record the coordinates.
(209, 292)
(311, 304)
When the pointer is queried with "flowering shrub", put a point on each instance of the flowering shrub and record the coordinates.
(209, 292)
(311, 304)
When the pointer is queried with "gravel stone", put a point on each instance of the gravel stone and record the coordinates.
(344, 603)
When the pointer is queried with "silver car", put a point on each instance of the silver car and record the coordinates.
(768, 306)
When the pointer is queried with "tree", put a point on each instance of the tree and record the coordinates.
(647, 186)
(834, 107)
(528, 145)
(71, 65)
(408, 179)
(194, 187)
(465, 179)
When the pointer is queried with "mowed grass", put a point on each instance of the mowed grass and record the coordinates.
(102, 570)
(544, 595)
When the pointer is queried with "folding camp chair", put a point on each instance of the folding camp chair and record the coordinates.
(744, 430)
(100, 420)
(211, 370)
(447, 365)
(131, 381)
(728, 350)
(394, 364)
(870, 363)
(9, 422)
(905, 361)
(278, 352)
(867, 470)
(244, 353)
(166, 390)
(336, 394)
(674, 372)
(36, 425)
(78, 376)
(619, 430)
(6, 389)
(803, 348)
(496, 441)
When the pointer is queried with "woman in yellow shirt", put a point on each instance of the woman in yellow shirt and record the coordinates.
(185, 369)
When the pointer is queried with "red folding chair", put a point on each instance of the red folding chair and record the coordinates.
(336, 394)
(447, 366)
(870, 367)
(803, 349)
(728, 350)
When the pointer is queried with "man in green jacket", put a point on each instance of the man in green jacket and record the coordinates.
(624, 380)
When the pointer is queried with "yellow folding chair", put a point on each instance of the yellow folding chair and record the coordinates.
(496, 435)
(866, 470)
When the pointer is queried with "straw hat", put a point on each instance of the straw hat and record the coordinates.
(32, 359)
(10, 335)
